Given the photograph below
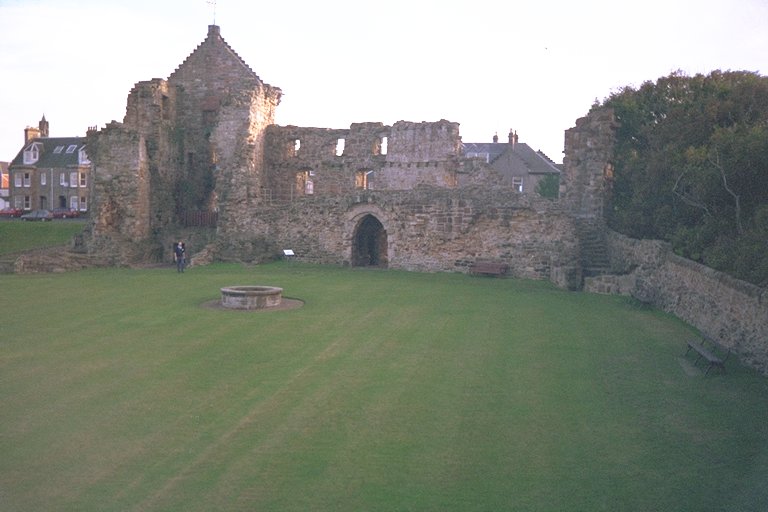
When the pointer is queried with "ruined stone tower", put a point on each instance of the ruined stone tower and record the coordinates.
(192, 142)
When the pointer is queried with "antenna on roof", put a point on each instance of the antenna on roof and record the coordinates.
(213, 3)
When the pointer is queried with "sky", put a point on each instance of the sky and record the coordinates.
(492, 66)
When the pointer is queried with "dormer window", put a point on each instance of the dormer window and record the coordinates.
(71, 148)
(32, 153)
(82, 157)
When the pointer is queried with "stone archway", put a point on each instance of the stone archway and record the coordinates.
(369, 243)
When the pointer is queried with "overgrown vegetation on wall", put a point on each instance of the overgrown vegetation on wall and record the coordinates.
(691, 167)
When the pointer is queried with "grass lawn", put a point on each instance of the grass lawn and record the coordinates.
(386, 391)
(17, 235)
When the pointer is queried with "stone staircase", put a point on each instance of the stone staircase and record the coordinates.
(593, 249)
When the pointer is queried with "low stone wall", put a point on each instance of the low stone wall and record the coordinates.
(53, 259)
(732, 312)
(427, 229)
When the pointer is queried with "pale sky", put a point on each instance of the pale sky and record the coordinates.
(491, 65)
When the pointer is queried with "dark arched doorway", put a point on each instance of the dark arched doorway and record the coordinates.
(369, 245)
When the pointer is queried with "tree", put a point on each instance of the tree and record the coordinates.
(549, 186)
(691, 166)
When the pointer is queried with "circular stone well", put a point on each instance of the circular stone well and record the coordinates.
(251, 297)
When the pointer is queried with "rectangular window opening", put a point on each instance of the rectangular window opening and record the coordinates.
(340, 146)
(363, 179)
(304, 184)
(71, 149)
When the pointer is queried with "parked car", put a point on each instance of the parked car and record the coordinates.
(65, 213)
(41, 215)
(11, 212)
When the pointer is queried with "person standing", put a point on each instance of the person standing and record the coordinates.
(180, 256)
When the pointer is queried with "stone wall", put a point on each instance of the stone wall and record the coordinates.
(730, 311)
(415, 154)
(588, 163)
(427, 229)
(120, 192)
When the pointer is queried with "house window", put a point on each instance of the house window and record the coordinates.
(296, 147)
(27, 179)
(484, 156)
(71, 149)
(73, 179)
(363, 179)
(517, 183)
(43, 178)
(83, 204)
(17, 179)
(73, 202)
(58, 150)
(340, 147)
(63, 179)
(384, 143)
(32, 154)
(43, 202)
(83, 179)
(18, 202)
(27, 203)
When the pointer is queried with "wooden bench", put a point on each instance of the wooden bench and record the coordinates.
(488, 268)
(708, 354)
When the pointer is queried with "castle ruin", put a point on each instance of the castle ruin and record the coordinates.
(405, 196)
(401, 196)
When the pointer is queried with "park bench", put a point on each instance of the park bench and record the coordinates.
(488, 268)
(708, 354)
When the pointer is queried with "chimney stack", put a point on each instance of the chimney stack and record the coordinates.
(30, 133)
(513, 138)
(495, 138)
